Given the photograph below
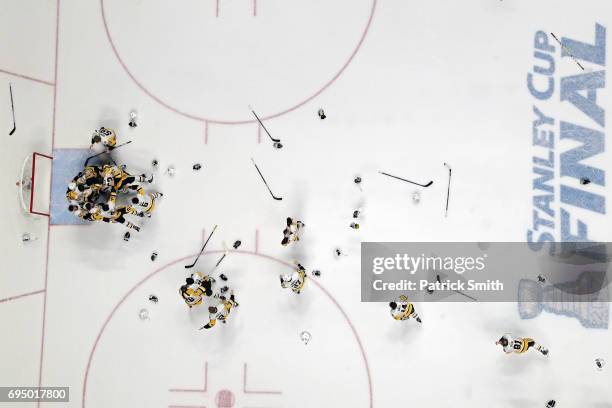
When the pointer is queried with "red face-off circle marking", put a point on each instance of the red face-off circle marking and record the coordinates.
(193, 85)
(190, 257)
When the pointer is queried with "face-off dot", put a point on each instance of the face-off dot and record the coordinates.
(225, 399)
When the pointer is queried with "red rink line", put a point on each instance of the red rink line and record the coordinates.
(217, 8)
(8, 299)
(29, 78)
(258, 407)
(256, 241)
(176, 261)
(202, 390)
(33, 184)
(160, 101)
(44, 316)
(244, 385)
(186, 406)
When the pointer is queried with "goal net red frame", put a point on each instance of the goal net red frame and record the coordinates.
(28, 183)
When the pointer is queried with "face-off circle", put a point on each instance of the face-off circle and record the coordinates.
(209, 59)
(170, 365)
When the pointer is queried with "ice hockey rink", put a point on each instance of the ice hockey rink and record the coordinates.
(406, 87)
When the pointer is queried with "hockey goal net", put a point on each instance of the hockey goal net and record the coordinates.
(34, 184)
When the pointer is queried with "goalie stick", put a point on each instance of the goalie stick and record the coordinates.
(107, 152)
(412, 182)
(264, 128)
(202, 250)
(13, 110)
(264, 180)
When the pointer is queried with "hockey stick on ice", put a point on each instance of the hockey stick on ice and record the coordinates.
(220, 259)
(412, 182)
(13, 110)
(262, 125)
(456, 291)
(566, 50)
(264, 180)
(467, 296)
(448, 188)
(201, 251)
(225, 252)
(108, 152)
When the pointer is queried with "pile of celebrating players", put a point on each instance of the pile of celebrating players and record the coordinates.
(200, 289)
(108, 192)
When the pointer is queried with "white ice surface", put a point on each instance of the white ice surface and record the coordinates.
(433, 82)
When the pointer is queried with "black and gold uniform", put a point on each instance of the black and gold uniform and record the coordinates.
(296, 281)
(89, 176)
(192, 294)
(107, 137)
(292, 232)
(403, 310)
(197, 286)
(220, 312)
(519, 345)
(146, 203)
(117, 216)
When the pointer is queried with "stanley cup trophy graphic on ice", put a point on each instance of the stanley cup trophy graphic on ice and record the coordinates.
(573, 282)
